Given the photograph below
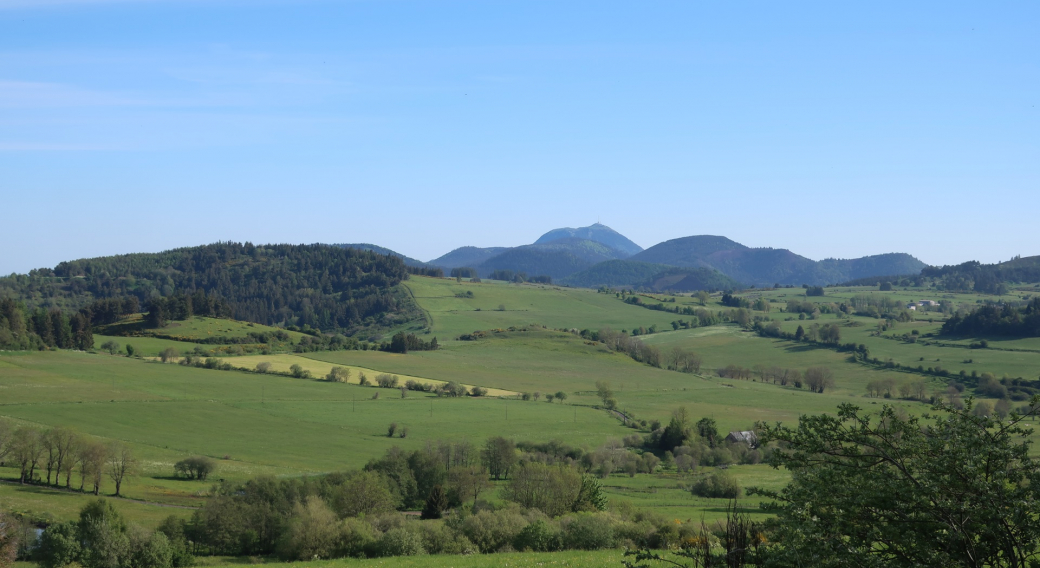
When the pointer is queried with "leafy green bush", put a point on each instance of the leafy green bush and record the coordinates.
(719, 485)
(493, 530)
(539, 536)
(357, 539)
(588, 531)
(400, 542)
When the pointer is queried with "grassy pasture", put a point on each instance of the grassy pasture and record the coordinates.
(64, 505)
(150, 346)
(525, 304)
(197, 327)
(262, 423)
(270, 424)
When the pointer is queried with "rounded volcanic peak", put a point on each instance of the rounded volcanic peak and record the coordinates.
(688, 251)
(597, 232)
(467, 256)
(594, 251)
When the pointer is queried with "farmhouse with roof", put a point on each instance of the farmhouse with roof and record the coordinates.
(746, 436)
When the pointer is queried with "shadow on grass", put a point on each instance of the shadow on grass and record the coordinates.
(806, 347)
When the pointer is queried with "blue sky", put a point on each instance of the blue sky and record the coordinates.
(831, 129)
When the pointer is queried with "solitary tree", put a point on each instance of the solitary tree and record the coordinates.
(435, 504)
(121, 463)
(338, 375)
(708, 430)
(498, 456)
(92, 456)
(468, 481)
(364, 493)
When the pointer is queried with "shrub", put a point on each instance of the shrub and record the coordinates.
(196, 467)
(439, 539)
(338, 375)
(539, 536)
(718, 485)
(357, 539)
(312, 532)
(588, 531)
(386, 381)
(59, 545)
(478, 391)
(489, 531)
(149, 549)
(400, 542)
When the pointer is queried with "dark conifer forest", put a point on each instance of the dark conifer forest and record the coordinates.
(327, 288)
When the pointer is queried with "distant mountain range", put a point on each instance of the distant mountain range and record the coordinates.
(597, 256)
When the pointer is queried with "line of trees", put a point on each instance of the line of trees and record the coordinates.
(45, 456)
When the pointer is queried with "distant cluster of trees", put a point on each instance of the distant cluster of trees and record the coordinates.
(974, 276)
(735, 301)
(817, 379)
(889, 387)
(519, 277)
(463, 272)
(24, 329)
(431, 271)
(1003, 320)
(184, 306)
(827, 334)
(625, 343)
(702, 317)
(403, 343)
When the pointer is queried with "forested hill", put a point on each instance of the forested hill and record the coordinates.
(986, 278)
(323, 286)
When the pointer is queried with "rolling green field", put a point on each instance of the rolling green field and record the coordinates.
(523, 304)
(271, 424)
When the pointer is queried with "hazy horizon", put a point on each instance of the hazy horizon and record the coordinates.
(829, 130)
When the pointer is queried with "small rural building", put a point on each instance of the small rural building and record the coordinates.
(928, 303)
(747, 436)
